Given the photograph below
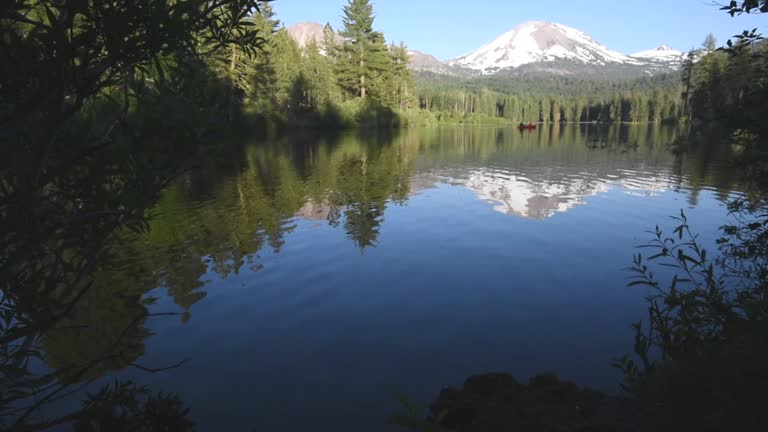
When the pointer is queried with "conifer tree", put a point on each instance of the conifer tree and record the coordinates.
(687, 76)
(381, 84)
(286, 57)
(364, 53)
(402, 75)
(330, 46)
(710, 43)
(261, 69)
(321, 90)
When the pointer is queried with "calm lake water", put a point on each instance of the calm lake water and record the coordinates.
(318, 277)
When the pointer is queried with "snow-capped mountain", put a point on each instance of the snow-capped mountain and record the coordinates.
(537, 42)
(663, 53)
(539, 47)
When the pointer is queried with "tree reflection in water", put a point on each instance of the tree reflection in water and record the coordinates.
(215, 220)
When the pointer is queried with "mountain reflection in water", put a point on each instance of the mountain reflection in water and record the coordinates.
(311, 255)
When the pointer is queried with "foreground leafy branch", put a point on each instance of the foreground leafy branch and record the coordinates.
(708, 300)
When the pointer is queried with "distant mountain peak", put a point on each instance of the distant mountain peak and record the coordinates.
(539, 41)
(304, 32)
(420, 61)
(664, 53)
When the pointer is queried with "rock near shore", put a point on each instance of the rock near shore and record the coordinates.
(498, 402)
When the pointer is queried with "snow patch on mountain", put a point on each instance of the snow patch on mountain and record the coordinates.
(662, 53)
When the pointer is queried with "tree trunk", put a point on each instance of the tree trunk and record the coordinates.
(232, 67)
(362, 79)
(362, 86)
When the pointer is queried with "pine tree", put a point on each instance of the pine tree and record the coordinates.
(321, 88)
(687, 77)
(286, 57)
(235, 62)
(707, 81)
(616, 108)
(330, 47)
(556, 110)
(261, 73)
(364, 54)
(710, 43)
(403, 79)
(546, 110)
(381, 84)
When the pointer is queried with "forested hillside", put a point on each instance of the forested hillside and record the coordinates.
(554, 98)
(352, 79)
(728, 87)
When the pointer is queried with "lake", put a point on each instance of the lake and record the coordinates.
(317, 277)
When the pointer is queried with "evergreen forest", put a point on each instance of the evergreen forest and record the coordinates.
(152, 147)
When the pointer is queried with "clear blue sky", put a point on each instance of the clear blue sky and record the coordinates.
(450, 28)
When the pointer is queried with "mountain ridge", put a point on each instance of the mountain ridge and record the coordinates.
(533, 47)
